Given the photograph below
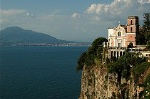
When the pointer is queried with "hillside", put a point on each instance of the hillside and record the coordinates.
(17, 35)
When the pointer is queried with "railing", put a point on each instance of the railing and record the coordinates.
(124, 48)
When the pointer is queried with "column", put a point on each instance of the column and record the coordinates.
(116, 54)
(124, 42)
(119, 53)
(114, 42)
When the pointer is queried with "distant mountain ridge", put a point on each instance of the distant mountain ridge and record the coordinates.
(15, 35)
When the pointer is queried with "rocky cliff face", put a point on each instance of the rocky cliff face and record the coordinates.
(97, 83)
(94, 83)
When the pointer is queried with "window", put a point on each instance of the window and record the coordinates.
(131, 22)
(131, 29)
(119, 33)
(119, 44)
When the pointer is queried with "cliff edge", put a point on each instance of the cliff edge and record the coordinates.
(126, 77)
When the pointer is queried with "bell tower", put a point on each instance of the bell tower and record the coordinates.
(132, 29)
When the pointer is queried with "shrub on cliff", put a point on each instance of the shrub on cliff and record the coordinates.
(123, 65)
(96, 46)
(146, 91)
(94, 51)
(140, 69)
(81, 61)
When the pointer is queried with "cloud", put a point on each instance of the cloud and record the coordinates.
(119, 8)
(3, 21)
(144, 1)
(15, 12)
(30, 14)
(12, 12)
(99, 16)
(76, 15)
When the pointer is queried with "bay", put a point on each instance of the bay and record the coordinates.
(39, 72)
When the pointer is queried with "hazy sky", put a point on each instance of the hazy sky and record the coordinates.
(77, 20)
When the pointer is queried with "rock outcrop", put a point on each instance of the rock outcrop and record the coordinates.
(94, 83)
(97, 83)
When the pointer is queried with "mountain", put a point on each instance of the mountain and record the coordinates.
(17, 35)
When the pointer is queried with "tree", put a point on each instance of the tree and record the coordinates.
(123, 65)
(96, 47)
(130, 45)
(146, 26)
(94, 51)
(140, 69)
(144, 35)
(99, 41)
(81, 61)
(148, 45)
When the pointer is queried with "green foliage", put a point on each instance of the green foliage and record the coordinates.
(140, 39)
(140, 69)
(131, 63)
(123, 65)
(115, 67)
(147, 35)
(81, 61)
(96, 47)
(130, 45)
(146, 93)
(98, 42)
(90, 60)
(144, 35)
(146, 25)
(147, 81)
(148, 45)
(94, 51)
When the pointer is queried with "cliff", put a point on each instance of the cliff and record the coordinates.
(93, 82)
(97, 83)
(127, 77)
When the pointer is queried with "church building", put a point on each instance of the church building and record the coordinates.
(123, 35)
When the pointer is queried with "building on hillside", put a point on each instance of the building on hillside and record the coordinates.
(123, 35)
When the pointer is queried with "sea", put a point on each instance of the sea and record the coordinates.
(40, 72)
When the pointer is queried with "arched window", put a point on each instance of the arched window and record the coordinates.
(131, 29)
(131, 22)
(130, 45)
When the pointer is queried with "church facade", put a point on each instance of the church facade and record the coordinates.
(123, 35)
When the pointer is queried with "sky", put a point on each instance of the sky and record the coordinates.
(74, 20)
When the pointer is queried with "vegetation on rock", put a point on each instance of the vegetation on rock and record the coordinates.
(93, 52)
(131, 65)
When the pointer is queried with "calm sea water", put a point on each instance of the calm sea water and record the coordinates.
(39, 72)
